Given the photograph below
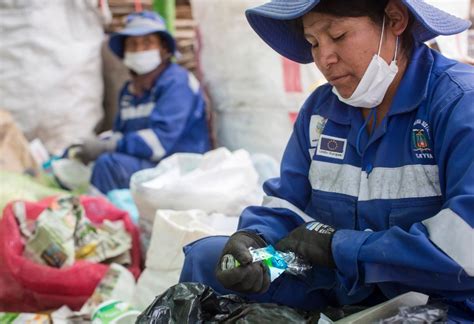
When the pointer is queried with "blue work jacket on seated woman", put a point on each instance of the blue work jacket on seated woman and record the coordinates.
(169, 118)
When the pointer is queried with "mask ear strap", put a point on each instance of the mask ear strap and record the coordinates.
(381, 36)
(396, 50)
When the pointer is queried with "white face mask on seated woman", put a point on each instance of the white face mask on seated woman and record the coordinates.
(142, 62)
(374, 84)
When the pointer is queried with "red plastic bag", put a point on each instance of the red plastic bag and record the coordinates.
(26, 286)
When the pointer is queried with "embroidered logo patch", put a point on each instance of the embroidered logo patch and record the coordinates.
(420, 140)
(332, 147)
(316, 127)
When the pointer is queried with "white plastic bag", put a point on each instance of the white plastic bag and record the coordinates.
(171, 231)
(72, 174)
(218, 181)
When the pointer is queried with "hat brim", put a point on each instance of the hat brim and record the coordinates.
(432, 22)
(275, 23)
(116, 40)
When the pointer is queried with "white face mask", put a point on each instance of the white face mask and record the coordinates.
(374, 83)
(142, 62)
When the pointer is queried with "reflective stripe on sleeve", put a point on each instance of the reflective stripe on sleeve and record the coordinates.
(450, 233)
(193, 83)
(150, 138)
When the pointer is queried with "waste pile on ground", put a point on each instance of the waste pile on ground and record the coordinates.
(46, 271)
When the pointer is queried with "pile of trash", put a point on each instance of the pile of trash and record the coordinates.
(111, 298)
(56, 251)
(63, 234)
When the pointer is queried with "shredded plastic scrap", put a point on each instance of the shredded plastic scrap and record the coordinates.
(418, 314)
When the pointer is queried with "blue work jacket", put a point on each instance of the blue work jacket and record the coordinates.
(404, 207)
(169, 118)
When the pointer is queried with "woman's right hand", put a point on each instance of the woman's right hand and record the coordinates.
(248, 276)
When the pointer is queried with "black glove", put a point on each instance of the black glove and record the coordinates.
(91, 148)
(248, 277)
(312, 241)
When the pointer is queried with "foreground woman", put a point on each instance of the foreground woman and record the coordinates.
(377, 181)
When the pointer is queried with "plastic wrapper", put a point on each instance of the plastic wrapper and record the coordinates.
(118, 283)
(114, 312)
(276, 261)
(197, 303)
(419, 314)
(122, 198)
(52, 241)
(21, 318)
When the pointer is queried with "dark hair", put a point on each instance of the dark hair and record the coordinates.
(374, 9)
(164, 42)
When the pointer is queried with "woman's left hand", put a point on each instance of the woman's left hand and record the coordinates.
(312, 241)
(91, 148)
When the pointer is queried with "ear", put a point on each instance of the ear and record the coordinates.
(164, 50)
(398, 17)
(167, 56)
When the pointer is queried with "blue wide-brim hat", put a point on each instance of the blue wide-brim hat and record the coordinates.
(139, 24)
(275, 23)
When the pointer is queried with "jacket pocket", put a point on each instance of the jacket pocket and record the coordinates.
(332, 209)
(404, 214)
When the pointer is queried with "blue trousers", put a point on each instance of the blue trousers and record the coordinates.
(312, 292)
(114, 170)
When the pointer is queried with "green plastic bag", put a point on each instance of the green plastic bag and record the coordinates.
(15, 186)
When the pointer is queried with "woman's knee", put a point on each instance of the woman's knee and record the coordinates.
(104, 161)
(201, 258)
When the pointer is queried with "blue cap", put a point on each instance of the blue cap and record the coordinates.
(139, 24)
(274, 22)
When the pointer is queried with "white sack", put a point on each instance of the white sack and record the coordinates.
(50, 68)
(171, 231)
(453, 46)
(246, 79)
